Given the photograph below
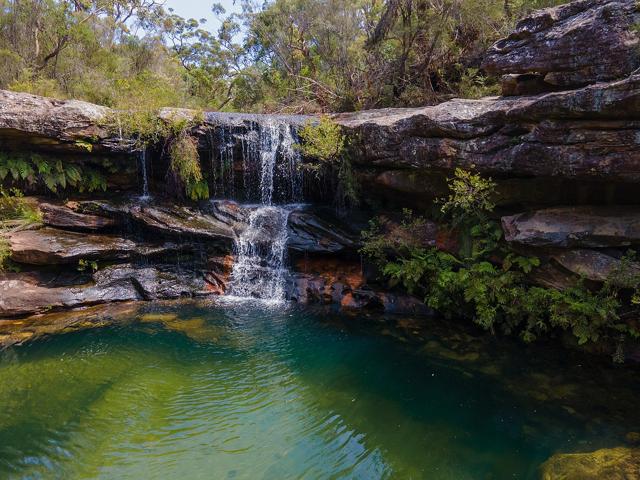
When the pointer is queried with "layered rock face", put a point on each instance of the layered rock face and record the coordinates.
(571, 45)
(149, 251)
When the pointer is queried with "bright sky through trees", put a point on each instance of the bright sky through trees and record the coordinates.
(202, 9)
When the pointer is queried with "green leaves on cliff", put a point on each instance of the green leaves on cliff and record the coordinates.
(31, 171)
(325, 148)
(185, 164)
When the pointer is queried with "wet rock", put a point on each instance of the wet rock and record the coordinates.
(48, 246)
(218, 273)
(613, 464)
(151, 283)
(27, 294)
(334, 281)
(565, 44)
(575, 227)
(312, 234)
(593, 265)
(61, 216)
(179, 221)
(19, 296)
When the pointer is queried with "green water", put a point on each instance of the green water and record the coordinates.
(246, 393)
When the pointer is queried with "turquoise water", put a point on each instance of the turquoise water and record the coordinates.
(241, 392)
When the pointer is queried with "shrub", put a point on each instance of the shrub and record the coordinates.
(325, 146)
(487, 282)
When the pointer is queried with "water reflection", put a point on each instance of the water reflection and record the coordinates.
(244, 392)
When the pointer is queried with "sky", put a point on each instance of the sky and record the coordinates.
(201, 9)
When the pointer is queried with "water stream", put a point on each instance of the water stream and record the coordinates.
(145, 175)
(268, 153)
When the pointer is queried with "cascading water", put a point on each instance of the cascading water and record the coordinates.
(145, 177)
(270, 170)
(260, 268)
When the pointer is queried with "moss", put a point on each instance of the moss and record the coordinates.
(613, 464)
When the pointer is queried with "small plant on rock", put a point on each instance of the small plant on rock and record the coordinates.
(326, 146)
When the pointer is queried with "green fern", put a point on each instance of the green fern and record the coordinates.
(54, 174)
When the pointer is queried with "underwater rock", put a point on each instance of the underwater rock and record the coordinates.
(587, 226)
(610, 464)
(18, 331)
(565, 44)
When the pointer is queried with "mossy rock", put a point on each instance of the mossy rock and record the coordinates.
(612, 464)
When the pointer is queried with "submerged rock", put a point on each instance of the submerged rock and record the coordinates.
(610, 464)
(594, 227)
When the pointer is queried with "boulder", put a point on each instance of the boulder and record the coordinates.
(312, 234)
(592, 227)
(594, 265)
(48, 246)
(27, 294)
(179, 221)
(565, 44)
(611, 464)
(19, 296)
(61, 216)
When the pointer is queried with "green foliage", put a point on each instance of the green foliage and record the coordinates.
(14, 207)
(5, 253)
(486, 281)
(470, 197)
(280, 55)
(87, 265)
(323, 141)
(34, 170)
(325, 147)
(185, 164)
(474, 85)
(13, 210)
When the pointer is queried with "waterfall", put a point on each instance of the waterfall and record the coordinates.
(263, 149)
(271, 176)
(260, 267)
(145, 177)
